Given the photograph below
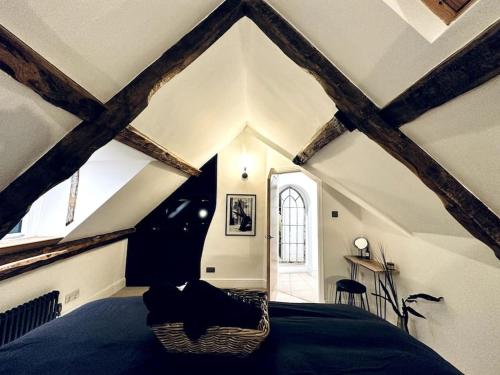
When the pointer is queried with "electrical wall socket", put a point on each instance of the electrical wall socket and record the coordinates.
(72, 296)
(210, 269)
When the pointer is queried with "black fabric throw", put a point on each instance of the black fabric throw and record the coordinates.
(199, 306)
(165, 304)
(206, 305)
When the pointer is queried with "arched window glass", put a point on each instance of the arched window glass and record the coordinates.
(292, 244)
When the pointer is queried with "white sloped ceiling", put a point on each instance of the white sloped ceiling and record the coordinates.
(203, 108)
(243, 79)
(29, 127)
(285, 103)
(463, 135)
(102, 45)
(132, 202)
(374, 46)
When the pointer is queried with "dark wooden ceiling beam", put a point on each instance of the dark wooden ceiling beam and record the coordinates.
(77, 146)
(474, 64)
(32, 70)
(62, 161)
(471, 66)
(132, 137)
(467, 209)
(17, 263)
(327, 133)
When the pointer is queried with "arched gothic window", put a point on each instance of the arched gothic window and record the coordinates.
(292, 241)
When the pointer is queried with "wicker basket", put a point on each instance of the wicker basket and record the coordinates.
(219, 340)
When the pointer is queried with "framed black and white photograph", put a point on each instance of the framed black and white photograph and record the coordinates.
(240, 214)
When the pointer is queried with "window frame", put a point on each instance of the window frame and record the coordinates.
(20, 234)
(304, 225)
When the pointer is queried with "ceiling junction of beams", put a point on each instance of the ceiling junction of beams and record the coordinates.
(61, 161)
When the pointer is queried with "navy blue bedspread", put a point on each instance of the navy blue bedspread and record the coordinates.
(110, 336)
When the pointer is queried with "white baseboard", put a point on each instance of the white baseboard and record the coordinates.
(109, 290)
(238, 283)
(103, 293)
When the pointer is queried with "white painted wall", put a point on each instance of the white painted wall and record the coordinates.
(464, 328)
(131, 202)
(242, 261)
(98, 182)
(110, 169)
(98, 273)
(338, 233)
(239, 260)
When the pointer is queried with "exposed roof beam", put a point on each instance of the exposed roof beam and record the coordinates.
(32, 70)
(20, 262)
(470, 67)
(327, 133)
(467, 209)
(77, 146)
(61, 161)
(141, 142)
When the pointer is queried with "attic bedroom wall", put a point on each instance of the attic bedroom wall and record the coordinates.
(242, 261)
(239, 261)
(98, 273)
(435, 264)
(105, 173)
(132, 202)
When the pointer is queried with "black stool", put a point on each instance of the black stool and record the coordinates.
(353, 289)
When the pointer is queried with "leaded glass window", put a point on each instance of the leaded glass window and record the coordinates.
(292, 244)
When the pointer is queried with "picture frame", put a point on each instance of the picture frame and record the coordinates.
(241, 214)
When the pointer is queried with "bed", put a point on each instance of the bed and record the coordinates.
(110, 337)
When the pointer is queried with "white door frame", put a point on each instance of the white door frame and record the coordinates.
(319, 184)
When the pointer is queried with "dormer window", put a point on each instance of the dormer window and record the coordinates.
(16, 231)
(447, 10)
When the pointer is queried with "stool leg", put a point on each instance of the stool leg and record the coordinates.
(362, 303)
(367, 303)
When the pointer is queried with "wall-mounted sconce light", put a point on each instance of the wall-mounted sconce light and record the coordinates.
(245, 163)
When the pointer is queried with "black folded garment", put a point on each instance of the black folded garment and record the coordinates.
(165, 303)
(206, 305)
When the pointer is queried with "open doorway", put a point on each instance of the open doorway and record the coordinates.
(293, 238)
